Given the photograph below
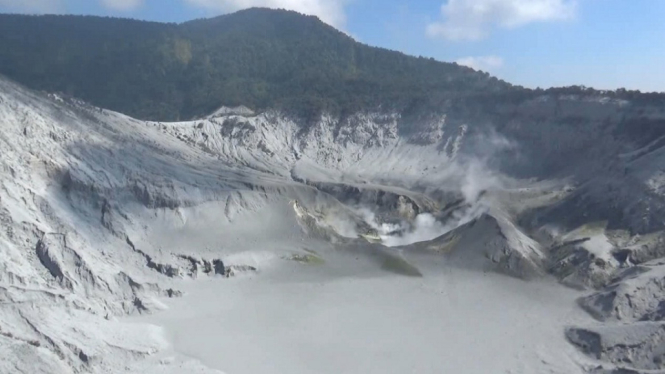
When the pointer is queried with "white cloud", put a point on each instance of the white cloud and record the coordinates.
(329, 11)
(32, 6)
(484, 63)
(122, 5)
(474, 19)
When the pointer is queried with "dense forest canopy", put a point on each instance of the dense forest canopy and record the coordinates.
(259, 58)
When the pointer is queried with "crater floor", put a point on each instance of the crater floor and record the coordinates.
(345, 314)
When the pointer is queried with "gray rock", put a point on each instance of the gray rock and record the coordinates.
(637, 346)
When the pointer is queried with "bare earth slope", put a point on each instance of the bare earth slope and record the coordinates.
(104, 216)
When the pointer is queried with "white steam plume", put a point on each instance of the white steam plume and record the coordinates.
(470, 175)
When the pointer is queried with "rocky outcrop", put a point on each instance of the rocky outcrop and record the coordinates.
(235, 270)
(635, 347)
(576, 266)
(490, 243)
(166, 269)
(207, 267)
(396, 203)
(637, 295)
(603, 370)
(632, 308)
(64, 263)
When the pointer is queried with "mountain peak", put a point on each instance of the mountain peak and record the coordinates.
(261, 58)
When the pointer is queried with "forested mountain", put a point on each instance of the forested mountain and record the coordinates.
(258, 57)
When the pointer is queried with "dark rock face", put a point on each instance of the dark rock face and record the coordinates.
(50, 263)
(634, 347)
(234, 270)
(487, 243)
(639, 299)
(218, 265)
(588, 342)
(208, 267)
(602, 370)
(577, 267)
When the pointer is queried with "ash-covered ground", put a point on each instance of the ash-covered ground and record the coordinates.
(245, 242)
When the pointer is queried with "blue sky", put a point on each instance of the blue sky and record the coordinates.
(605, 44)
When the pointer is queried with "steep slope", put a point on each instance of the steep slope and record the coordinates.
(488, 243)
(69, 266)
(102, 213)
(258, 57)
